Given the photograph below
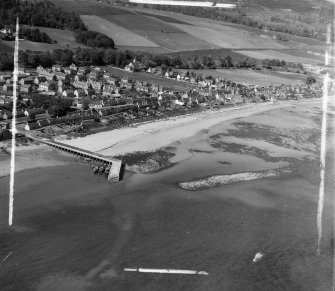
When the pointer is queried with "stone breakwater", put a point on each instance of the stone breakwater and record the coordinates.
(233, 178)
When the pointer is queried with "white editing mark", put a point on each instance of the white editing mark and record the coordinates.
(323, 147)
(12, 160)
(6, 257)
(186, 3)
(257, 257)
(166, 271)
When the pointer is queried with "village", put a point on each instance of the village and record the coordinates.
(93, 97)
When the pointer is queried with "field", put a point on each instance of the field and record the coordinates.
(120, 35)
(33, 46)
(161, 31)
(273, 54)
(255, 77)
(164, 82)
(64, 38)
(214, 53)
(5, 47)
(164, 34)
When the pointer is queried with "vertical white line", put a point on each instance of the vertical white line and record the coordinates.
(12, 160)
(323, 145)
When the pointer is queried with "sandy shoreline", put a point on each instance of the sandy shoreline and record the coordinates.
(142, 137)
(154, 135)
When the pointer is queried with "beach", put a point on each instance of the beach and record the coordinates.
(153, 135)
(74, 231)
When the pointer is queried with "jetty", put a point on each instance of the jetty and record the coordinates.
(114, 164)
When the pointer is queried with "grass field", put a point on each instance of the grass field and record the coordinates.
(64, 38)
(120, 35)
(33, 46)
(5, 47)
(272, 54)
(150, 78)
(254, 77)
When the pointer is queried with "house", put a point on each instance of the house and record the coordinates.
(7, 87)
(9, 81)
(5, 77)
(26, 81)
(82, 71)
(96, 104)
(69, 71)
(81, 84)
(56, 68)
(60, 75)
(111, 80)
(96, 85)
(108, 90)
(68, 93)
(79, 93)
(44, 73)
(44, 86)
(80, 78)
(26, 88)
(38, 80)
(125, 80)
(73, 67)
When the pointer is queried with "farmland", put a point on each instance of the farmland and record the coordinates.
(120, 35)
(162, 31)
(164, 34)
(273, 54)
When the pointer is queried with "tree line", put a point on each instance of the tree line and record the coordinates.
(118, 58)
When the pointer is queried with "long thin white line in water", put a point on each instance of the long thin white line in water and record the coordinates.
(323, 147)
(12, 160)
(165, 271)
(6, 257)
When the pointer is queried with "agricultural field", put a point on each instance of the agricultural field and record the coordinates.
(141, 29)
(120, 35)
(163, 34)
(273, 54)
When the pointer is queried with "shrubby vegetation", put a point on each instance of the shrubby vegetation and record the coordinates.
(94, 39)
(35, 35)
(38, 13)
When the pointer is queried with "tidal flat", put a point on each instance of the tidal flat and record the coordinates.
(74, 231)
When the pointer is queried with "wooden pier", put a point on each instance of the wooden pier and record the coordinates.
(115, 164)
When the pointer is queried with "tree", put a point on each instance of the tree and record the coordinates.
(310, 80)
